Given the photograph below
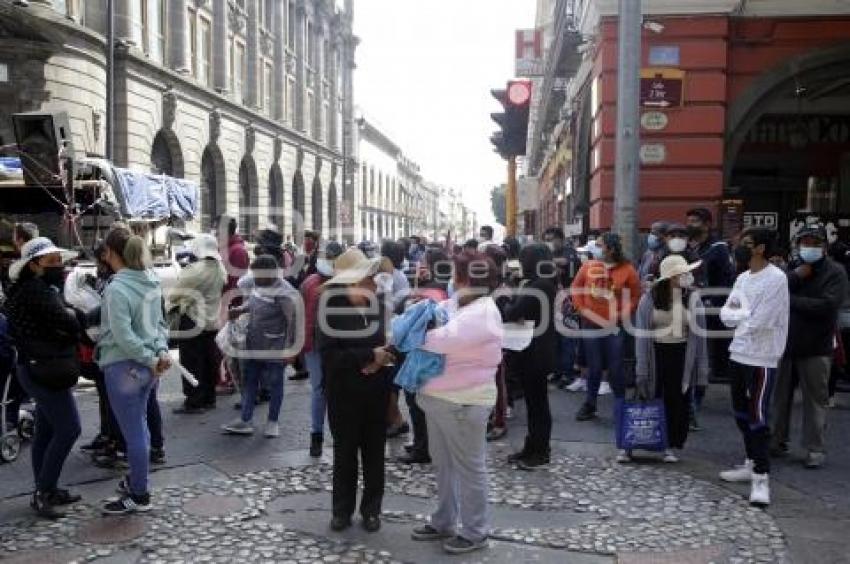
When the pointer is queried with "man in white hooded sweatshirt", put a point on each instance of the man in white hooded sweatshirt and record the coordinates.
(758, 310)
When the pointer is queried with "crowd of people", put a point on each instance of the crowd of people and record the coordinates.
(429, 321)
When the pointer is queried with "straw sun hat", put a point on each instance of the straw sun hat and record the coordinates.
(675, 265)
(352, 266)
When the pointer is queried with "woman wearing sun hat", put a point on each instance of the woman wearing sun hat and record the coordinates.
(46, 334)
(670, 347)
(351, 338)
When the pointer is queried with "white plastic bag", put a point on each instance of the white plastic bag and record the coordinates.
(80, 295)
(232, 337)
(517, 336)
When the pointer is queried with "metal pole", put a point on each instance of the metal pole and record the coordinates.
(627, 186)
(510, 198)
(110, 78)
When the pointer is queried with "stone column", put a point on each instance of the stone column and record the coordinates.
(178, 37)
(279, 63)
(300, 62)
(221, 47)
(128, 22)
(252, 55)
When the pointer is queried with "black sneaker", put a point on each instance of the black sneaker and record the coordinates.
(299, 376)
(41, 504)
(62, 497)
(394, 431)
(586, 413)
(427, 533)
(524, 453)
(157, 456)
(128, 504)
(372, 524)
(98, 443)
(339, 523)
(460, 545)
(187, 409)
(316, 440)
(414, 458)
(533, 462)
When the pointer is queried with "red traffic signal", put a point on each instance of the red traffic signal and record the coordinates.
(516, 100)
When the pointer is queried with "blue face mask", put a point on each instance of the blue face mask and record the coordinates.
(811, 255)
(597, 253)
(653, 241)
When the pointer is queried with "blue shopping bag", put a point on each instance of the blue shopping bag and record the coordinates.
(641, 425)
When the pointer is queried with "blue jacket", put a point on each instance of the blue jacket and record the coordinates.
(408, 330)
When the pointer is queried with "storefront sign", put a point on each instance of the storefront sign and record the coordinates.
(653, 154)
(664, 56)
(731, 218)
(529, 53)
(654, 121)
(800, 131)
(661, 88)
(768, 220)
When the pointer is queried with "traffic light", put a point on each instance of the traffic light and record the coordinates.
(41, 137)
(510, 141)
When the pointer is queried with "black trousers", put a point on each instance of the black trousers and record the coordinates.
(536, 390)
(752, 389)
(669, 367)
(718, 350)
(358, 425)
(197, 355)
(420, 426)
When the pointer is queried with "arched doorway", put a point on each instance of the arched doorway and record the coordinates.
(247, 197)
(298, 206)
(788, 146)
(317, 205)
(333, 207)
(212, 185)
(166, 156)
(276, 197)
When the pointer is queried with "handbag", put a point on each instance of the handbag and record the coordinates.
(51, 365)
(641, 425)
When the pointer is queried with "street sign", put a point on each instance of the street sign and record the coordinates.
(664, 56)
(661, 89)
(654, 121)
(653, 154)
(769, 220)
(529, 53)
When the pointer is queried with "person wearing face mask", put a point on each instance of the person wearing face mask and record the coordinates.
(42, 326)
(757, 309)
(655, 241)
(670, 355)
(311, 291)
(311, 255)
(818, 287)
(605, 292)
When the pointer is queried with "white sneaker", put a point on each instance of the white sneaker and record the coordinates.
(578, 385)
(604, 389)
(238, 427)
(742, 473)
(272, 430)
(670, 457)
(760, 490)
(624, 456)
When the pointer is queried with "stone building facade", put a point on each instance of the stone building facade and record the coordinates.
(251, 98)
(392, 198)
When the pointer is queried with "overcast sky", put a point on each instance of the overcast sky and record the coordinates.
(424, 73)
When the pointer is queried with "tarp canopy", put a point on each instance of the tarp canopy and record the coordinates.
(152, 196)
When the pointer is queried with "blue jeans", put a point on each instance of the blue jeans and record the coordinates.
(271, 373)
(567, 353)
(605, 352)
(129, 386)
(57, 426)
(318, 402)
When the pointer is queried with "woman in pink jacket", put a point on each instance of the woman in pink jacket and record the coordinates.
(457, 404)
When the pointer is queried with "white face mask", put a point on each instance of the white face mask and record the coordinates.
(325, 267)
(677, 245)
(686, 280)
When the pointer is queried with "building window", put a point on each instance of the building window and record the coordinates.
(290, 100)
(268, 84)
(144, 13)
(205, 52)
(311, 49)
(290, 24)
(193, 43)
(237, 69)
(308, 117)
(76, 11)
(326, 113)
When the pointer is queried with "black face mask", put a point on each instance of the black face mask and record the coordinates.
(743, 254)
(54, 276)
(694, 231)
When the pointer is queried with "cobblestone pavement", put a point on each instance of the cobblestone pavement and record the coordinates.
(587, 506)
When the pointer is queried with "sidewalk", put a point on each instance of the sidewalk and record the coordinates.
(222, 499)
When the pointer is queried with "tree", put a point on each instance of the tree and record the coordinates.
(497, 203)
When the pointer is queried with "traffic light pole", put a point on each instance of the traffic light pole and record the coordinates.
(511, 199)
(627, 184)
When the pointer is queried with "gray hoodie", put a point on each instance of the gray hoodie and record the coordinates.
(273, 324)
(696, 355)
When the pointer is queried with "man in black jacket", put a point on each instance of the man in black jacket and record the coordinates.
(818, 287)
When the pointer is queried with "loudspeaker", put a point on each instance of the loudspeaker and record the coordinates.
(40, 136)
